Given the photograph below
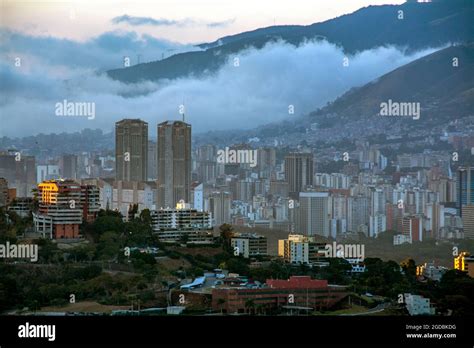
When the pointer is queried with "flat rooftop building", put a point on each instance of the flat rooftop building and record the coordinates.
(183, 224)
(297, 292)
(63, 206)
(249, 244)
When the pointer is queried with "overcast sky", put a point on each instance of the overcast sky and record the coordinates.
(185, 21)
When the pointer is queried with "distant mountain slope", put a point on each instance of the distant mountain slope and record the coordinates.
(423, 25)
(432, 81)
(445, 93)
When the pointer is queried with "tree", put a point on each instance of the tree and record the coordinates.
(220, 303)
(138, 233)
(104, 224)
(184, 238)
(226, 233)
(250, 305)
(409, 267)
(109, 212)
(142, 261)
(132, 211)
(83, 253)
(238, 265)
(337, 270)
(145, 216)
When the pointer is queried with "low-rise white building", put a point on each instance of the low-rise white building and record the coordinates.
(121, 195)
(418, 305)
(183, 224)
(400, 239)
(429, 270)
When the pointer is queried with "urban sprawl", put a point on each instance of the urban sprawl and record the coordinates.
(164, 227)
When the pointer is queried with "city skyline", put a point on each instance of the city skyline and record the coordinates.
(274, 164)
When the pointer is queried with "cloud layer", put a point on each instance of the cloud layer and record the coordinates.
(253, 88)
(138, 21)
(103, 52)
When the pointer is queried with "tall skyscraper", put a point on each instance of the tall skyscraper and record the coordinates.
(298, 172)
(266, 160)
(465, 188)
(68, 166)
(19, 171)
(359, 218)
(219, 205)
(207, 163)
(131, 150)
(412, 226)
(3, 192)
(377, 202)
(468, 221)
(377, 224)
(152, 160)
(174, 163)
(315, 213)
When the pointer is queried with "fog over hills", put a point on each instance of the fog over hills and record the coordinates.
(240, 82)
(442, 82)
(423, 25)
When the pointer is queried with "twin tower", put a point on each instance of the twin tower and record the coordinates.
(173, 157)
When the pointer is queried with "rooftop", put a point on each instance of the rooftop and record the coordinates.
(297, 282)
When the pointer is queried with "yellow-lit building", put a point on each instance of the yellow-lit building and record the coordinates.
(465, 262)
(300, 249)
(63, 206)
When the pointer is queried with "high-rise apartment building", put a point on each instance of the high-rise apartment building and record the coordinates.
(377, 202)
(468, 220)
(206, 163)
(174, 163)
(63, 206)
(220, 207)
(377, 224)
(152, 170)
(315, 213)
(413, 226)
(298, 172)
(68, 167)
(3, 192)
(359, 217)
(131, 150)
(434, 212)
(266, 160)
(19, 171)
(465, 188)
